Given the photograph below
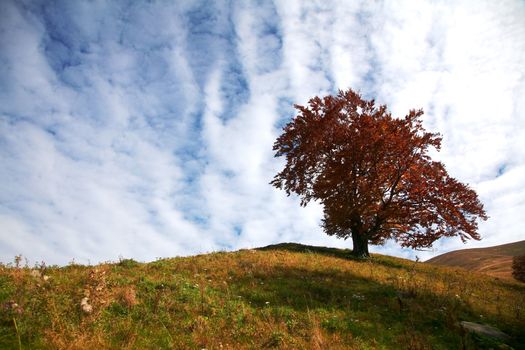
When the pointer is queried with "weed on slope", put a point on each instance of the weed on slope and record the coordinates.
(285, 296)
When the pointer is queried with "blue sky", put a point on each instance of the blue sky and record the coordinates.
(145, 129)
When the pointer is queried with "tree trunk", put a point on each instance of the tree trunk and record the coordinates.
(360, 245)
(359, 238)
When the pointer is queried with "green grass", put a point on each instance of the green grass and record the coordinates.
(287, 296)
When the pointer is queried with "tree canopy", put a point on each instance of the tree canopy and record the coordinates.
(373, 174)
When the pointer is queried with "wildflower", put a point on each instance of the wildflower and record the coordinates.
(36, 274)
(85, 306)
(358, 296)
(11, 305)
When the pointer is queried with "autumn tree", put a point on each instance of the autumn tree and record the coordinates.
(373, 174)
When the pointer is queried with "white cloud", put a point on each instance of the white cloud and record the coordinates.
(147, 130)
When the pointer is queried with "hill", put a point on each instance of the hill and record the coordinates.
(495, 261)
(287, 296)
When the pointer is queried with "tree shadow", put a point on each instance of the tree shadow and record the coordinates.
(337, 253)
(364, 307)
(303, 248)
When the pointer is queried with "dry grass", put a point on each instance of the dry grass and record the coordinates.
(287, 297)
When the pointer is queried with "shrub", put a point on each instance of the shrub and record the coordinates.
(518, 268)
(128, 263)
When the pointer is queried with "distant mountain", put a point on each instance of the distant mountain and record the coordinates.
(495, 261)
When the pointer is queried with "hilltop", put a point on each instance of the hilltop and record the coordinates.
(287, 296)
(495, 261)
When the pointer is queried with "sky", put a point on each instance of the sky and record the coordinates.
(144, 129)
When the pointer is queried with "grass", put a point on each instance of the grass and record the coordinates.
(286, 296)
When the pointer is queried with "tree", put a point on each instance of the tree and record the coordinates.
(373, 174)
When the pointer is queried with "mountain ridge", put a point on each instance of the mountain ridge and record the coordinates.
(495, 261)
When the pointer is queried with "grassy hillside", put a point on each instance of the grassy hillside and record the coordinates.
(495, 261)
(286, 296)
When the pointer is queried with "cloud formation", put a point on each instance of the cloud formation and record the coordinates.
(145, 130)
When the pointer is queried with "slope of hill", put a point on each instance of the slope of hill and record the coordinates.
(495, 261)
(287, 296)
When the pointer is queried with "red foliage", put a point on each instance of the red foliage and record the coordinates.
(373, 174)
